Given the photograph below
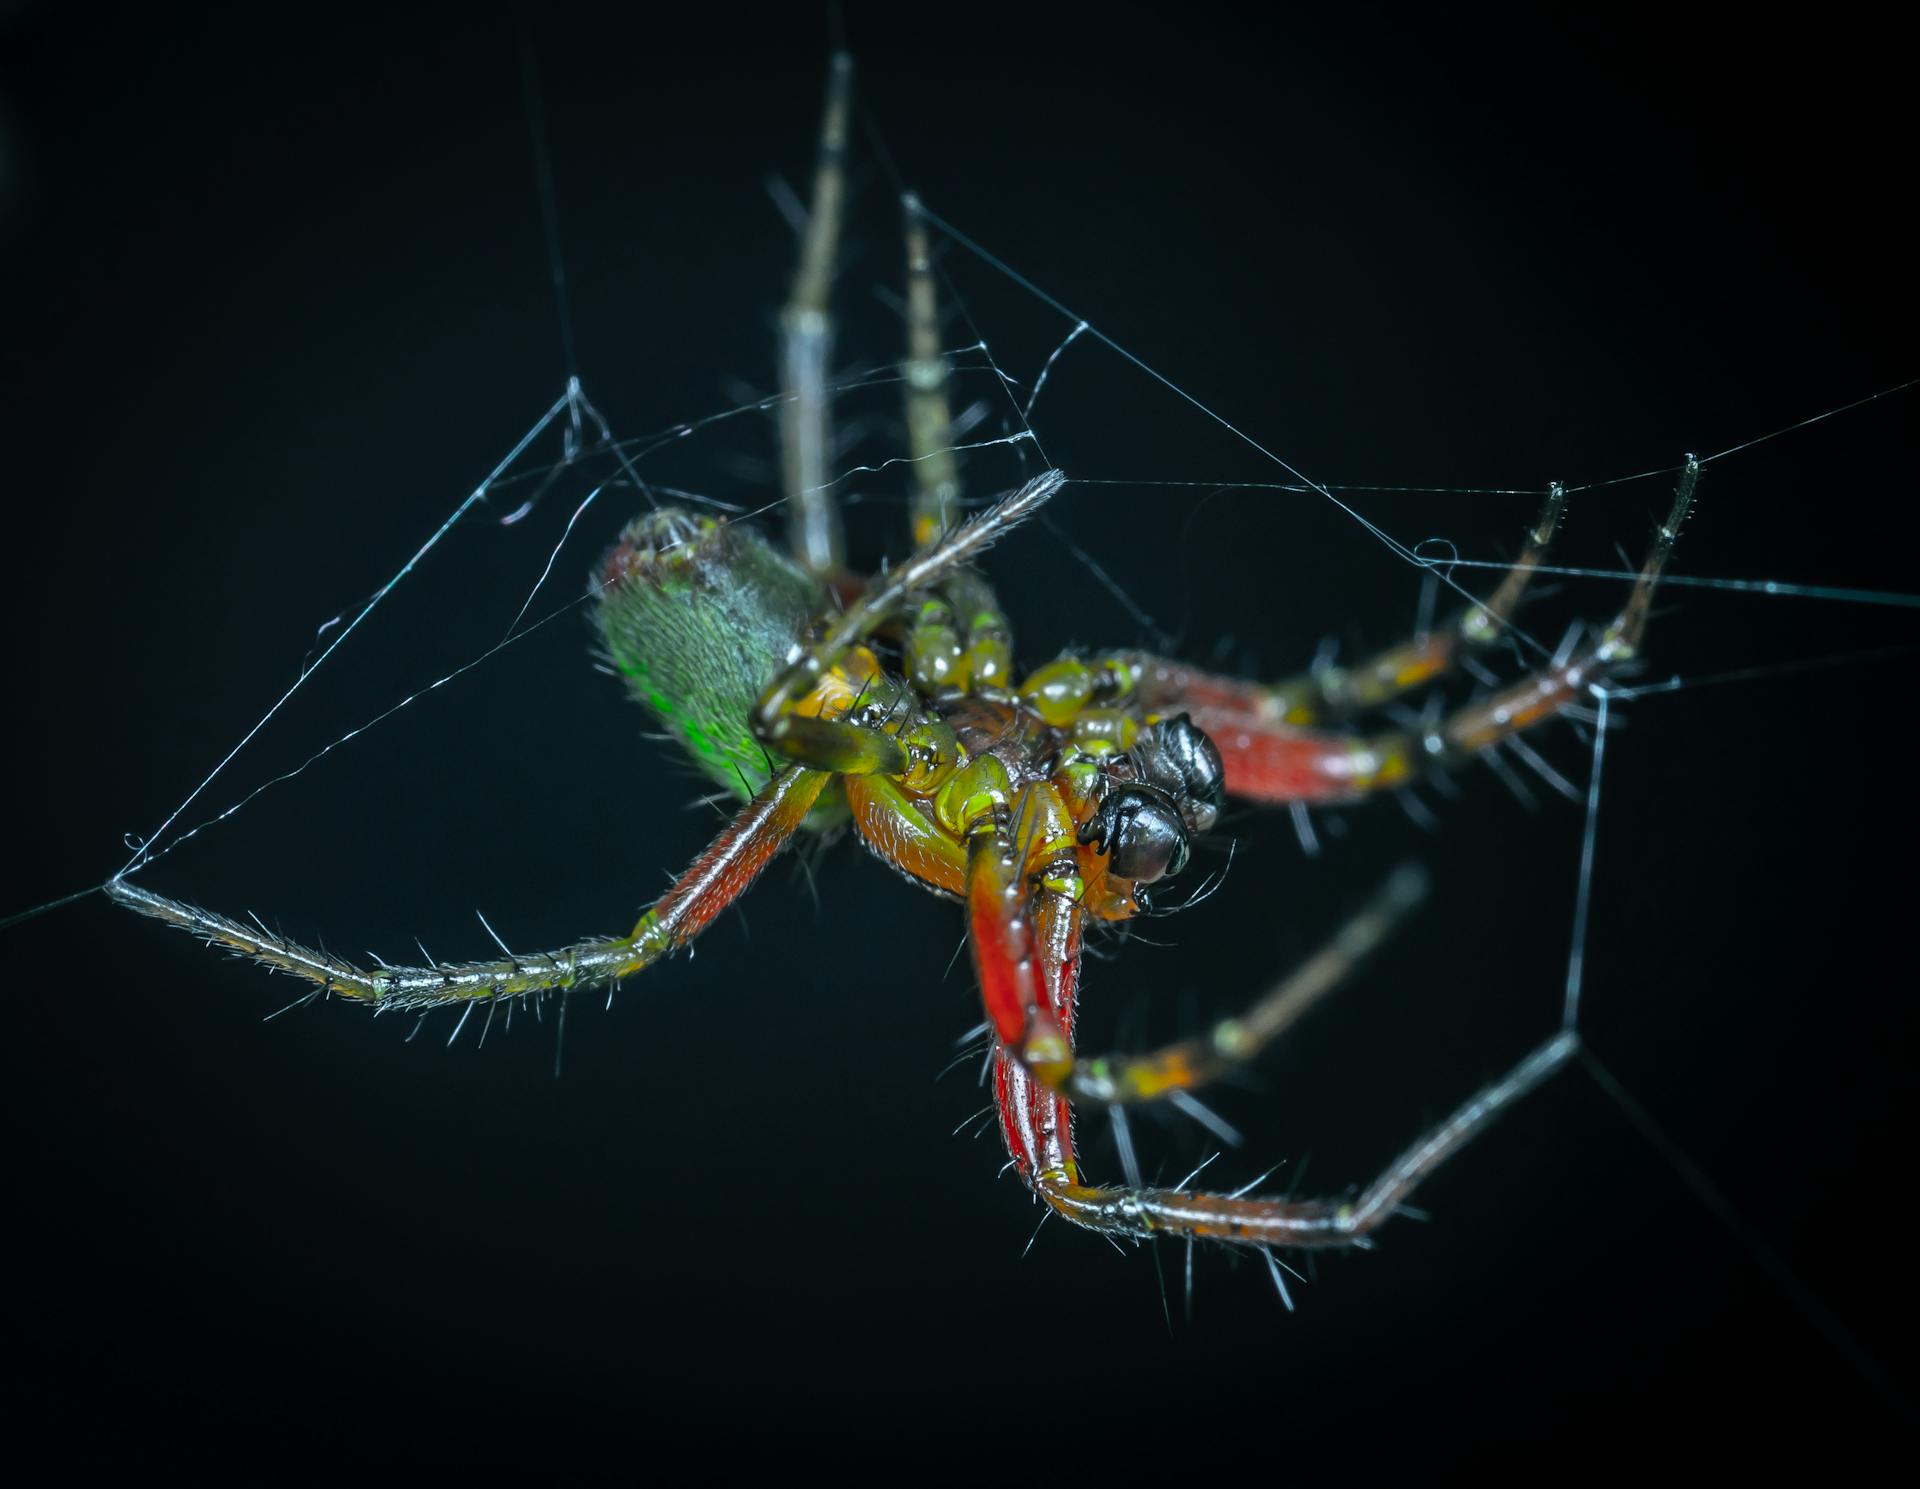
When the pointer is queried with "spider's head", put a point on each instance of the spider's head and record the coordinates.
(1169, 786)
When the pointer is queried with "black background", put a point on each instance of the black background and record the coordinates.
(277, 295)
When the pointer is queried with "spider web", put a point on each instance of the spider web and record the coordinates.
(1190, 524)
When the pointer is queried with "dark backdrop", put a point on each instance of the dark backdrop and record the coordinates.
(277, 295)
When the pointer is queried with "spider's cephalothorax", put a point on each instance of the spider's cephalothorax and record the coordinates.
(1044, 803)
(697, 614)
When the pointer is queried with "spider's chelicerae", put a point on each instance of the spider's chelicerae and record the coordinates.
(1043, 800)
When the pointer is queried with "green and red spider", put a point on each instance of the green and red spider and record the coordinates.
(1046, 801)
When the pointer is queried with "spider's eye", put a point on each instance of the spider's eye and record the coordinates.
(1140, 831)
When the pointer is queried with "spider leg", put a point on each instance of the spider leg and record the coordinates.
(1001, 916)
(964, 605)
(1036, 1123)
(936, 470)
(1021, 867)
(806, 347)
(1245, 1220)
(717, 878)
(1326, 694)
(1269, 759)
(773, 717)
(932, 653)
(938, 660)
(1188, 1064)
(987, 664)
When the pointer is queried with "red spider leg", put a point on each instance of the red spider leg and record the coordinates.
(718, 877)
(1266, 758)
(1329, 694)
(731, 862)
(1000, 932)
(1325, 695)
(1041, 936)
(1272, 761)
(1036, 1125)
(1025, 945)
(1253, 1221)
(1018, 864)
(1279, 763)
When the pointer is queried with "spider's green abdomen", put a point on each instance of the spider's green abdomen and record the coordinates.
(698, 615)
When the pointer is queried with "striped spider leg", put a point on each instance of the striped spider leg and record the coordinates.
(1272, 738)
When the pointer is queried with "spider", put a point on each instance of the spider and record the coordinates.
(1046, 801)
